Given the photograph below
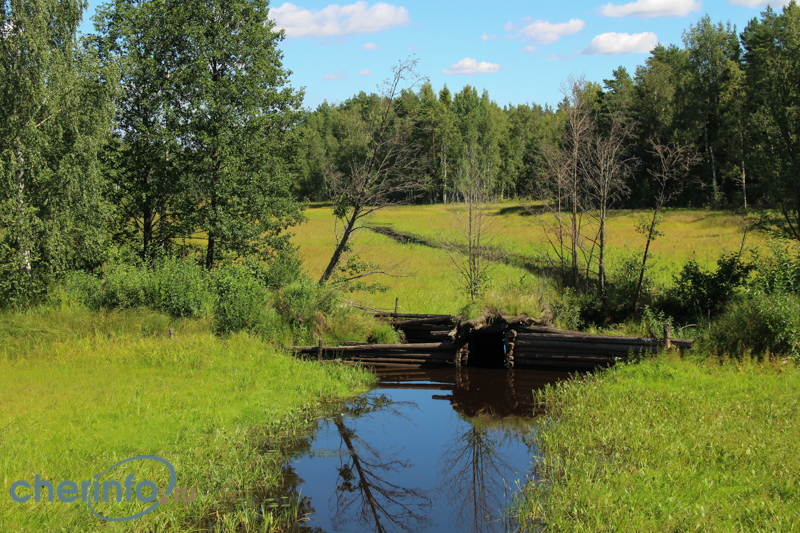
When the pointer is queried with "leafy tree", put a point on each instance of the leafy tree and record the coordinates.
(55, 113)
(772, 67)
(222, 95)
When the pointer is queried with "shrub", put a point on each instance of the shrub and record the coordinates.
(180, 287)
(298, 302)
(779, 271)
(78, 287)
(239, 300)
(125, 286)
(758, 324)
(701, 293)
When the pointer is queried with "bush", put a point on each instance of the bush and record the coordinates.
(778, 272)
(78, 287)
(304, 304)
(180, 288)
(239, 300)
(701, 293)
(757, 325)
(125, 286)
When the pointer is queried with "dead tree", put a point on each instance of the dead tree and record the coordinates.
(672, 161)
(564, 194)
(610, 166)
(378, 165)
(472, 223)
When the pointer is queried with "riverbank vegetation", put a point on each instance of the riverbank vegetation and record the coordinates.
(669, 444)
(82, 390)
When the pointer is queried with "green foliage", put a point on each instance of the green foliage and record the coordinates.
(777, 272)
(304, 304)
(239, 300)
(56, 107)
(180, 288)
(698, 293)
(757, 325)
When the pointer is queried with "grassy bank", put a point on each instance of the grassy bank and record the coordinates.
(670, 445)
(80, 391)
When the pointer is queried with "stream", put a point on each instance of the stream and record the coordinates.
(426, 450)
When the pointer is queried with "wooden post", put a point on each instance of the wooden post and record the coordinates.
(319, 350)
(396, 301)
(667, 340)
(171, 333)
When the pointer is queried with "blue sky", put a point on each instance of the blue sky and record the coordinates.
(520, 51)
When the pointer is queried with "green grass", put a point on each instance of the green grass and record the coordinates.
(80, 391)
(430, 284)
(671, 445)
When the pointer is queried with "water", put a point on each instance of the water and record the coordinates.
(440, 450)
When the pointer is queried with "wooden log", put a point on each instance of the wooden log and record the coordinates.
(434, 346)
(593, 347)
(422, 322)
(634, 341)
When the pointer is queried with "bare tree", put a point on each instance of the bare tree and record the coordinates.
(610, 166)
(472, 223)
(378, 164)
(564, 191)
(672, 162)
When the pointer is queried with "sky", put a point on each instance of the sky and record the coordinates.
(521, 52)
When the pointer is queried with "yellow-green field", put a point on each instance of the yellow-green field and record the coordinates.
(431, 285)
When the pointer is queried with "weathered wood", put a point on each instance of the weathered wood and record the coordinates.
(426, 346)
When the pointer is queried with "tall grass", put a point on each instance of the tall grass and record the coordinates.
(670, 445)
(81, 390)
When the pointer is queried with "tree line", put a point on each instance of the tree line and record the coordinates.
(731, 97)
(172, 130)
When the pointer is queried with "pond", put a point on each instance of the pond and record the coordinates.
(426, 450)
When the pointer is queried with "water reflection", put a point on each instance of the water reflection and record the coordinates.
(365, 494)
(434, 450)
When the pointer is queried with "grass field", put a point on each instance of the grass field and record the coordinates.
(80, 391)
(671, 445)
(432, 286)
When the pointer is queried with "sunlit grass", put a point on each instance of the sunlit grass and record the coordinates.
(432, 284)
(80, 391)
(671, 445)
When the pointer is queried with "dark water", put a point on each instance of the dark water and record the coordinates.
(440, 450)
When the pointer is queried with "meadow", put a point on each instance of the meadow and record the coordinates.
(81, 390)
(428, 282)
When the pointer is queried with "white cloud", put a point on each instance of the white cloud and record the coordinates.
(613, 43)
(370, 46)
(545, 32)
(366, 72)
(757, 3)
(488, 37)
(652, 8)
(334, 76)
(335, 20)
(471, 66)
(530, 49)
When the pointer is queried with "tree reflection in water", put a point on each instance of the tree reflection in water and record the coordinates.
(474, 475)
(363, 493)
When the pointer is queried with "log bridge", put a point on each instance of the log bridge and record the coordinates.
(490, 342)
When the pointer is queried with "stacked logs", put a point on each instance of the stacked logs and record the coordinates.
(385, 355)
(422, 328)
(538, 347)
